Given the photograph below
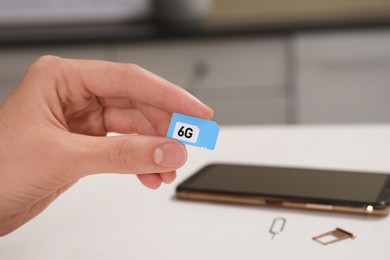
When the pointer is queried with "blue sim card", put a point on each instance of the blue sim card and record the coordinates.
(193, 131)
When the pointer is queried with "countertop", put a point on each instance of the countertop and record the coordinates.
(114, 217)
(227, 18)
(152, 31)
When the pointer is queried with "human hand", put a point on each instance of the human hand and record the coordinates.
(53, 131)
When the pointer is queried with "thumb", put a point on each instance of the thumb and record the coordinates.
(128, 154)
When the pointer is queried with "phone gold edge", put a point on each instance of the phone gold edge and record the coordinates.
(277, 202)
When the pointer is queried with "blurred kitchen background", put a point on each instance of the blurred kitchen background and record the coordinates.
(252, 61)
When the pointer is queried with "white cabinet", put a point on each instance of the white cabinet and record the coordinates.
(243, 80)
(318, 77)
(14, 62)
(342, 77)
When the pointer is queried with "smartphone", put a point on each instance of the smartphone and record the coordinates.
(303, 188)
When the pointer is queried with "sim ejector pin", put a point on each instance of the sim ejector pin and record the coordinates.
(277, 226)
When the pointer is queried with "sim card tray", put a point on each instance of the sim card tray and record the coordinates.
(338, 234)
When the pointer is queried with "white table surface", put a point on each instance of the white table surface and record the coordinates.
(115, 217)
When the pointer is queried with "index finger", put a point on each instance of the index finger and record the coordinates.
(109, 79)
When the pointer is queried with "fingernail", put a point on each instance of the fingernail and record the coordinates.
(172, 155)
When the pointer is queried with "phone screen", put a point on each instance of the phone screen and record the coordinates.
(320, 185)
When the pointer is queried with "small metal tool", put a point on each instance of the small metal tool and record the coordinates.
(277, 226)
(334, 236)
